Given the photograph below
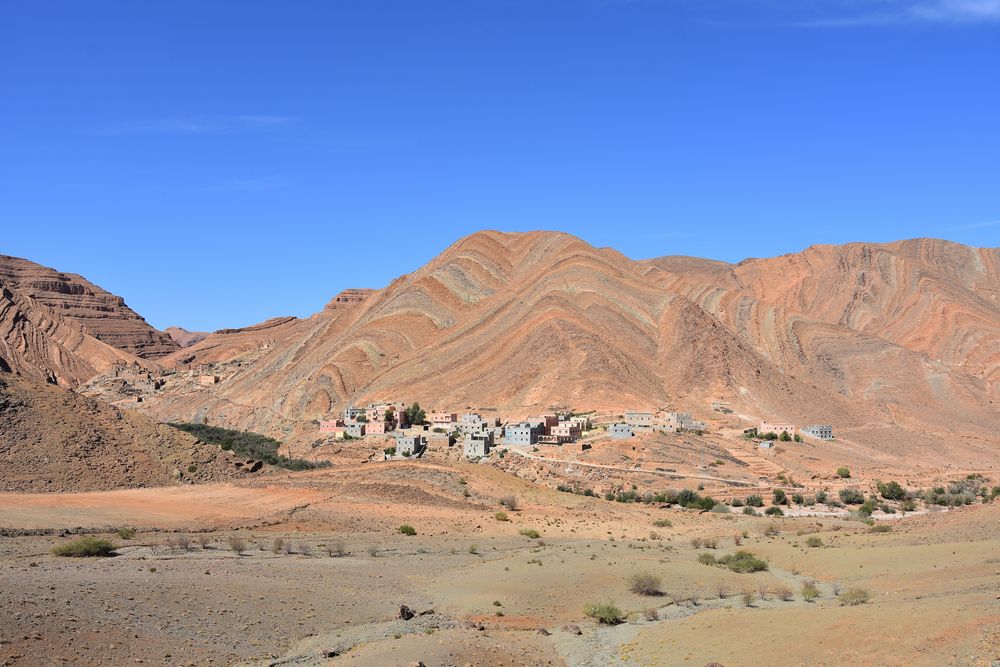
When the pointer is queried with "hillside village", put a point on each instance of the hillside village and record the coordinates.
(413, 430)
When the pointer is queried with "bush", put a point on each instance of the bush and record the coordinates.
(755, 500)
(645, 583)
(821, 497)
(749, 511)
(511, 503)
(530, 532)
(851, 496)
(881, 528)
(501, 516)
(473, 549)
(843, 473)
(278, 545)
(743, 562)
(86, 547)
(736, 503)
(706, 558)
(854, 596)
(779, 497)
(747, 596)
(407, 529)
(809, 591)
(814, 542)
(784, 592)
(798, 499)
(771, 530)
(604, 612)
(245, 443)
(126, 533)
(663, 523)
(891, 491)
(237, 545)
(774, 511)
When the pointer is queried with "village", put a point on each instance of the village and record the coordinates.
(413, 430)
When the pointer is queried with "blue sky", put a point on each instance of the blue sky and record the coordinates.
(218, 163)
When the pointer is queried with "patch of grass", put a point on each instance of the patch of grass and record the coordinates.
(407, 529)
(604, 612)
(663, 523)
(854, 596)
(86, 547)
(501, 516)
(645, 583)
(126, 533)
(530, 532)
(809, 591)
(248, 444)
(881, 528)
(814, 542)
(706, 558)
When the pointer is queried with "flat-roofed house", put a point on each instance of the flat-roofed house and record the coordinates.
(639, 419)
(331, 426)
(442, 417)
(477, 445)
(410, 445)
(768, 427)
(561, 433)
(821, 431)
(620, 431)
(523, 434)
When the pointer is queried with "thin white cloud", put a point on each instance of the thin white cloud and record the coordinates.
(198, 125)
(849, 13)
(977, 225)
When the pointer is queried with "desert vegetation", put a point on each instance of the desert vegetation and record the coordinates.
(246, 443)
(85, 547)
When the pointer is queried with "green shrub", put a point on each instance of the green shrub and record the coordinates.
(85, 547)
(891, 490)
(749, 511)
(407, 529)
(881, 528)
(854, 596)
(501, 516)
(604, 612)
(774, 511)
(245, 443)
(908, 505)
(779, 497)
(663, 523)
(821, 497)
(754, 500)
(645, 583)
(851, 496)
(530, 532)
(843, 473)
(798, 499)
(737, 502)
(126, 533)
(706, 558)
(814, 542)
(743, 562)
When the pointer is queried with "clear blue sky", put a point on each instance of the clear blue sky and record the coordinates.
(218, 163)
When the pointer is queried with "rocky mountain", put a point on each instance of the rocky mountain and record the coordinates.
(40, 343)
(894, 343)
(183, 337)
(53, 439)
(98, 313)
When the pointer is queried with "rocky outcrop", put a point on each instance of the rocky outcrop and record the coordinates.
(99, 313)
(52, 439)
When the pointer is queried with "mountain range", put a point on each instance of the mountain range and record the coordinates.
(897, 344)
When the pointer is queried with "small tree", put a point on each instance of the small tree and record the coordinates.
(415, 415)
(779, 496)
(784, 437)
(891, 490)
(754, 500)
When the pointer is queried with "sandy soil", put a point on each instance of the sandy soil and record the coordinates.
(483, 589)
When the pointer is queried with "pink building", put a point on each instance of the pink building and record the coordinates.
(378, 427)
(767, 427)
(443, 417)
